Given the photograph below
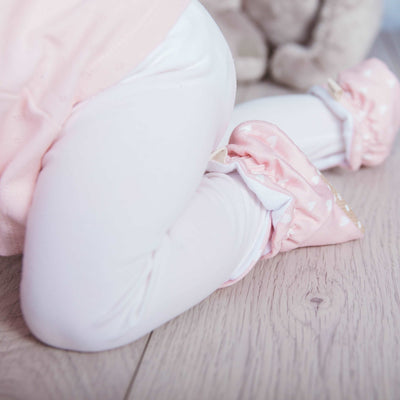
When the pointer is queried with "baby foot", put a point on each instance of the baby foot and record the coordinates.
(304, 207)
(367, 99)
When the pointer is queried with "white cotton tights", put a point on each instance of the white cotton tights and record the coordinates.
(126, 230)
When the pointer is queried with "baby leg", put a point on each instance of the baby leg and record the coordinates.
(125, 230)
(351, 122)
(304, 118)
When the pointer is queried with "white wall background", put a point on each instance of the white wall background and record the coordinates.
(391, 15)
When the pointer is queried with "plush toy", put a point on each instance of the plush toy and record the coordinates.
(244, 38)
(302, 42)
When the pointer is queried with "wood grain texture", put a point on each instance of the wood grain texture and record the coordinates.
(30, 370)
(314, 323)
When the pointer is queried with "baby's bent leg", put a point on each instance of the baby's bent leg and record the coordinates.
(94, 280)
(125, 230)
(304, 118)
(351, 122)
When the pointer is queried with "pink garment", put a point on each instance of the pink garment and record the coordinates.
(305, 209)
(53, 56)
(367, 99)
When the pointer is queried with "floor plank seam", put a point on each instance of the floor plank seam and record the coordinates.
(130, 386)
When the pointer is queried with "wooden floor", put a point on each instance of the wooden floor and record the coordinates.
(315, 323)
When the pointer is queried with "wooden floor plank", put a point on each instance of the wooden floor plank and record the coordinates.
(314, 323)
(29, 370)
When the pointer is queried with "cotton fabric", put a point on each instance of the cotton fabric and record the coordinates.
(55, 55)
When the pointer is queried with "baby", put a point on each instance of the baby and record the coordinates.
(133, 186)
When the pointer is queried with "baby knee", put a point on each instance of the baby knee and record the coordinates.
(56, 320)
(51, 324)
(60, 318)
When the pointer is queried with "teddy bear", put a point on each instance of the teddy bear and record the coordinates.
(298, 43)
(244, 38)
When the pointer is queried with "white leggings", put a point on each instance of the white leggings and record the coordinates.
(126, 230)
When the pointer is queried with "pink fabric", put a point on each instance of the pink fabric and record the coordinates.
(371, 93)
(53, 56)
(306, 210)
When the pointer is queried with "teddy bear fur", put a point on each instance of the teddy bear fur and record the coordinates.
(298, 42)
(245, 39)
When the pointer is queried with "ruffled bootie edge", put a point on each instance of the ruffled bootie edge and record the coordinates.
(304, 208)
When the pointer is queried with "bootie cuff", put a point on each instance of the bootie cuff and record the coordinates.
(304, 208)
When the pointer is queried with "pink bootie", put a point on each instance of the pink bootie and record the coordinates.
(367, 100)
(305, 209)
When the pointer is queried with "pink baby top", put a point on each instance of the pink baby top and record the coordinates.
(54, 54)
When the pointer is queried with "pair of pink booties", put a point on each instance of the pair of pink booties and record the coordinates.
(304, 207)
